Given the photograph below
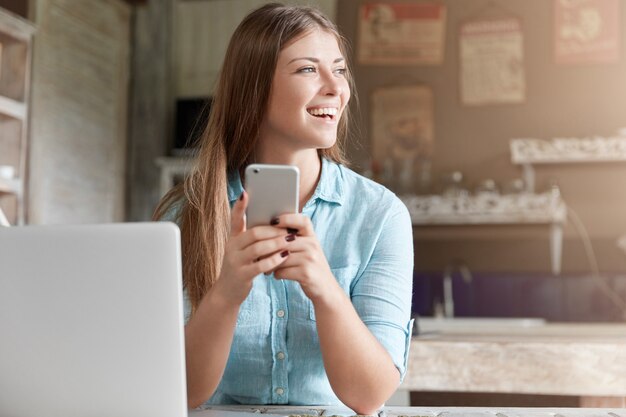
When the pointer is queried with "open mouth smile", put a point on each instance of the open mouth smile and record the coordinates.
(328, 113)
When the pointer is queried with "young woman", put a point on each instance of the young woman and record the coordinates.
(314, 308)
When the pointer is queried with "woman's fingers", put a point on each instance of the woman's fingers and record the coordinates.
(298, 261)
(238, 215)
(264, 248)
(294, 223)
(291, 273)
(258, 234)
(268, 264)
(238, 229)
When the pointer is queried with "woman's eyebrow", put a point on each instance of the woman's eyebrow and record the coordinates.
(314, 60)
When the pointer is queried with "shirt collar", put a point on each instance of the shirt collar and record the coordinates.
(329, 188)
(235, 188)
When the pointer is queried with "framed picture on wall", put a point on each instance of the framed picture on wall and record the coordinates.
(401, 33)
(587, 31)
(402, 135)
(492, 61)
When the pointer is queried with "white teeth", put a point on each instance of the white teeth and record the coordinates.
(324, 112)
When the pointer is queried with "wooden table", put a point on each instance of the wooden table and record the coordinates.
(246, 411)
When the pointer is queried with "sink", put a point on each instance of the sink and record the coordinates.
(475, 324)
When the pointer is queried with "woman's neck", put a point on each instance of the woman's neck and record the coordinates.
(309, 164)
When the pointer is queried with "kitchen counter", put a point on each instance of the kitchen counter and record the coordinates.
(502, 357)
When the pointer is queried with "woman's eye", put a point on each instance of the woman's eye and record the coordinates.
(307, 69)
(341, 71)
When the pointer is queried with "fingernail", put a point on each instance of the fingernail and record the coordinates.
(292, 231)
(284, 253)
(290, 238)
(275, 221)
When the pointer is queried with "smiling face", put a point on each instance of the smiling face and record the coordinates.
(309, 94)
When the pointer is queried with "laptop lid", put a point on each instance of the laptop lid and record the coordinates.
(91, 321)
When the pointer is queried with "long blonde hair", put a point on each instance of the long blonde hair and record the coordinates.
(232, 133)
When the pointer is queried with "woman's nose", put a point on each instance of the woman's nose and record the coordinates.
(333, 85)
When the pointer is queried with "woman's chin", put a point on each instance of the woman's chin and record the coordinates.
(328, 143)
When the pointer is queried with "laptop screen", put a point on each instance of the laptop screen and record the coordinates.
(91, 321)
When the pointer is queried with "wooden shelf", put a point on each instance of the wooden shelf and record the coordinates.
(16, 37)
(16, 26)
(12, 108)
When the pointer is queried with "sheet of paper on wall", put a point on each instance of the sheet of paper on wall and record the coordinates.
(402, 122)
(587, 31)
(492, 61)
(401, 33)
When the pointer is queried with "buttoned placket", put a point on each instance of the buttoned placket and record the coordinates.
(280, 315)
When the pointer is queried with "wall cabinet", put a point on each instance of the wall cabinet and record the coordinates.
(15, 60)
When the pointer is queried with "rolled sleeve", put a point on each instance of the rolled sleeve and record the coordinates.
(382, 293)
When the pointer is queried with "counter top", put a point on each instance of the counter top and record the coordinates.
(555, 359)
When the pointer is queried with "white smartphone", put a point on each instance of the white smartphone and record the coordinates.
(272, 191)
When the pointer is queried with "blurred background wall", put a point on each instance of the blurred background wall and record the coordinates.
(124, 70)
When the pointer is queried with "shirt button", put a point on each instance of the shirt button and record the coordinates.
(280, 313)
(280, 391)
(280, 355)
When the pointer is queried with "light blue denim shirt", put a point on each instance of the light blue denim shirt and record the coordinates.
(366, 234)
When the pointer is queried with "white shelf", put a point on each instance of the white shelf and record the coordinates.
(10, 186)
(524, 208)
(530, 151)
(12, 108)
(171, 167)
(493, 209)
(569, 150)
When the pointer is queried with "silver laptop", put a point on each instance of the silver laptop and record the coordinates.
(91, 321)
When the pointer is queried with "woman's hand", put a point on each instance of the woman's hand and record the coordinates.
(306, 263)
(249, 253)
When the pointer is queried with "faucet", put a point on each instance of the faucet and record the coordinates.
(448, 294)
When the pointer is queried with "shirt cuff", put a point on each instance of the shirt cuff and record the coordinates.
(407, 347)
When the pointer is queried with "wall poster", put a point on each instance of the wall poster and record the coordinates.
(402, 133)
(401, 33)
(492, 61)
(587, 31)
